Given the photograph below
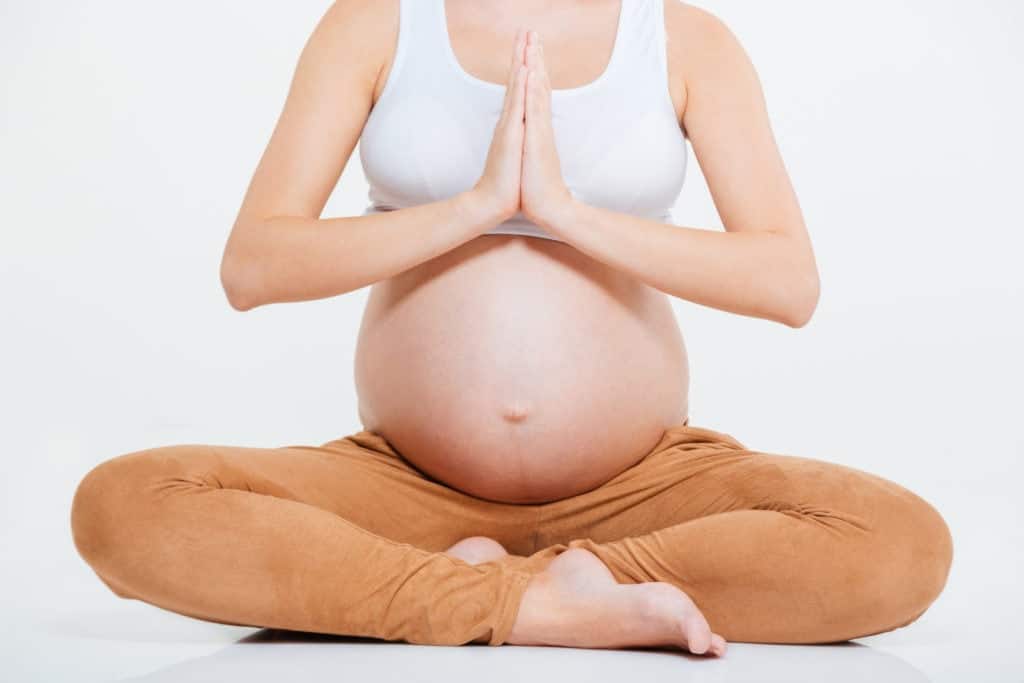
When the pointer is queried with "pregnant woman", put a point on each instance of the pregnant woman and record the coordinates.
(527, 472)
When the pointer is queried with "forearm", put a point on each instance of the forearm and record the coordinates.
(758, 274)
(292, 258)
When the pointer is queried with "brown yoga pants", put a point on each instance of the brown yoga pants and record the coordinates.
(347, 538)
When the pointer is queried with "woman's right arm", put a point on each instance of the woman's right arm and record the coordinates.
(298, 258)
(279, 249)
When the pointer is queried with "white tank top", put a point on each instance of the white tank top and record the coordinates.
(619, 143)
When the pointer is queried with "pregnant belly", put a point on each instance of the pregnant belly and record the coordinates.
(518, 369)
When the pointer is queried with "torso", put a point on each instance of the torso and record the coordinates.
(519, 369)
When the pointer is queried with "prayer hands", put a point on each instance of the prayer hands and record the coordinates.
(543, 190)
(522, 171)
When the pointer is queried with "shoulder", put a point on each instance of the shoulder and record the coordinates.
(698, 25)
(362, 24)
(699, 39)
(355, 37)
(703, 48)
(354, 14)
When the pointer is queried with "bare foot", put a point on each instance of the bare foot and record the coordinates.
(576, 602)
(477, 549)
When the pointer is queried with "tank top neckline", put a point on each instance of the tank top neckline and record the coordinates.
(499, 88)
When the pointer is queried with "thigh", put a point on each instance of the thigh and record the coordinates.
(359, 477)
(695, 472)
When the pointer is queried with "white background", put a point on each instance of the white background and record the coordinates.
(128, 134)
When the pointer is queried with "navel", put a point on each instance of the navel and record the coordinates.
(517, 411)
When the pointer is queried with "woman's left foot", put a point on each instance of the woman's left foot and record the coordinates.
(576, 602)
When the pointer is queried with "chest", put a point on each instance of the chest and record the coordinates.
(625, 155)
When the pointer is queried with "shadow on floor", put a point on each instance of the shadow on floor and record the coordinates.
(273, 656)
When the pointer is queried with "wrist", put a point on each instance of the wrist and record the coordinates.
(558, 216)
(481, 210)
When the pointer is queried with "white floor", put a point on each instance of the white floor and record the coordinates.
(130, 642)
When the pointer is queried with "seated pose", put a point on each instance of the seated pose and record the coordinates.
(527, 472)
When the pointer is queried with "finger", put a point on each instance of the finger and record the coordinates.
(513, 70)
(534, 93)
(513, 113)
(543, 81)
(534, 114)
(535, 60)
(543, 62)
(532, 76)
(530, 48)
(518, 109)
(520, 61)
(510, 78)
(517, 53)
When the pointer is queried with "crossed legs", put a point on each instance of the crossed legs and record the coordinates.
(347, 538)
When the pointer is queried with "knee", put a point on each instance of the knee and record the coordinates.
(116, 497)
(913, 557)
(931, 545)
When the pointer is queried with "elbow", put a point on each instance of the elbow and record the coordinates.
(801, 301)
(238, 279)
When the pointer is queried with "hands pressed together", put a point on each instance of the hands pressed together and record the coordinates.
(522, 171)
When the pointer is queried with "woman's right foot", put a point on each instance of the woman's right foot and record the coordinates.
(576, 602)
(477, 550)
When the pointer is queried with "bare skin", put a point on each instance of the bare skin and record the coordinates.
(576, 602)
(574, 312)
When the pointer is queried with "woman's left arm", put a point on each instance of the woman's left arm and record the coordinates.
(763, 264)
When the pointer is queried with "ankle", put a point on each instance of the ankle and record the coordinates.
(535, 609)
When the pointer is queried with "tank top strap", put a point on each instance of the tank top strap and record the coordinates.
(642, 58)
(420, 37)
(424, 63)
(429, 30)
(426, 58)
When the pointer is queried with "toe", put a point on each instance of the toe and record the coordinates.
(698, 635)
